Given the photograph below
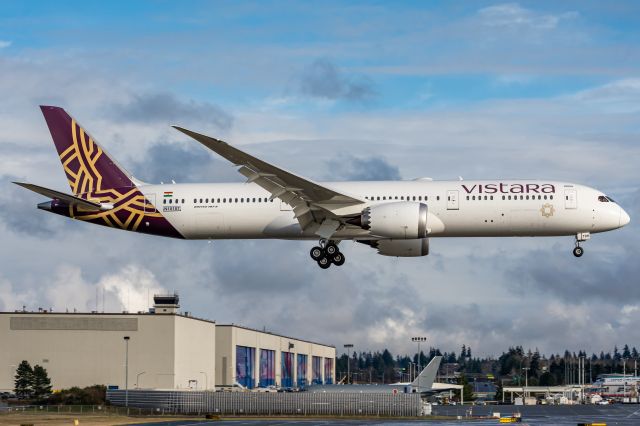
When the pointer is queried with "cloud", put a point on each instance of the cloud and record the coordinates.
(322, 79)
(4, 43)
(165, 107)
(184, 161)
(354, 168)
(514, 16)
(19, 214)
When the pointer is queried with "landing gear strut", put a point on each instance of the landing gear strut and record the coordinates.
(580, 237)
(327, 253)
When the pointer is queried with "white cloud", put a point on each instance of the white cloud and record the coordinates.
(4, 43)
(512, 15)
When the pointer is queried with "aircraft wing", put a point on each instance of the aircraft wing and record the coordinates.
(72, 200)
(316, 207)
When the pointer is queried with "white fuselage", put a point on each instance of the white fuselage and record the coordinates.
(455, 209)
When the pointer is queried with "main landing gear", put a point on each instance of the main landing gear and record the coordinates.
(580, 237)
(326, 254)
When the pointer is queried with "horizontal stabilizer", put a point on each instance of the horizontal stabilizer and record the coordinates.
(69, 199)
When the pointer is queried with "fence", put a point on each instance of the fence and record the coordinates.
(254, 403)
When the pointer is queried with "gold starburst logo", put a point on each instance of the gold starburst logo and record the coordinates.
(547, 210)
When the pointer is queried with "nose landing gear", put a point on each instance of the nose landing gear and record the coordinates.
(580, 237)
(327, 253)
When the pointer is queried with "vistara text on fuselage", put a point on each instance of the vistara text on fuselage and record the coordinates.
(395, 217)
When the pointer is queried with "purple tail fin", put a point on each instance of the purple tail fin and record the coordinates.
(89, 169)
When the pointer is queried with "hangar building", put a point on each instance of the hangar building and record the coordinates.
(165, 350)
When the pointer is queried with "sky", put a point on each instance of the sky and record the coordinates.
(333, 91)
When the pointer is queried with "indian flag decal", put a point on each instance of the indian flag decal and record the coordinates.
(168, 194)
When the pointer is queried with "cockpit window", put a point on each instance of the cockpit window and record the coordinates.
(610, 199)
(603, 199)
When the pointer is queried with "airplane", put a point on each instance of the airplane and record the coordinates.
(424, 383)
(397, 218)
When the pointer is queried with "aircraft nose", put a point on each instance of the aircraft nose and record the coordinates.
(624, 217)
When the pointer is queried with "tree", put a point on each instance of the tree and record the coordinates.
(467, 389)
(24, 380)
(626, 353)
(41, 382)
(499, 396)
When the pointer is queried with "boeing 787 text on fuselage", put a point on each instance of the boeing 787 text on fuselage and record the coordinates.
(395, 217)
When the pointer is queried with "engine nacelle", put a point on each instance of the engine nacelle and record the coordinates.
(403, 248)
(402, 220)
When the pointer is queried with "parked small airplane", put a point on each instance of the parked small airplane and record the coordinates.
(397, 218)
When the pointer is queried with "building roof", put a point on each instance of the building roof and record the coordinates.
(46, 312)
(274, 334)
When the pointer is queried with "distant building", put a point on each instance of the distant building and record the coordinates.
(166, 350)
(483, 390)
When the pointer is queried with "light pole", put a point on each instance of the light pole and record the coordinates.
(624, 374)
(348, 346)
(526, 381)
(419, 340)
(126, 372)
(138, 378)
(206, 380)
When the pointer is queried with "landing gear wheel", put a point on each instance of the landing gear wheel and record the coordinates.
(316, 253)
(578, 251)
(331, 249)
(338, 259)
(324, 262)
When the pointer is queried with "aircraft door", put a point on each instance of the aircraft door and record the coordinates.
(570, 199)
(452, 200)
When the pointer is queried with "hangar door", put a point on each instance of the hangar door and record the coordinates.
(302, 371)
(328, 371)
(245, 357)
(267, 368)
(286, 370)
(316, 370)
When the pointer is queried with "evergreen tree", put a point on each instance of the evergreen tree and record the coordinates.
(499, 392)
(41, 382)
(634, 353)
(626, 353)
(467, 389)
(616, 354)
(463, 353)
(24, 380)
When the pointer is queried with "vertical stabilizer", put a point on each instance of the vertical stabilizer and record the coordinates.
(89, 169)
(425, 379)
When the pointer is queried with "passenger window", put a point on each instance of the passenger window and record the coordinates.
(545, 197)
(509, 197)
(396, 197)
(438, 198)
(414, 198)
(467, 197)
(164, 201)
(195, 201)
(485, 197)
(384, 198)
(503, 197)
(473, 198)
(491, 197)
(551, 197)
(235, 200)
(420, 198)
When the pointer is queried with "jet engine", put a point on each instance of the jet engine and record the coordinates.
(402, 220)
